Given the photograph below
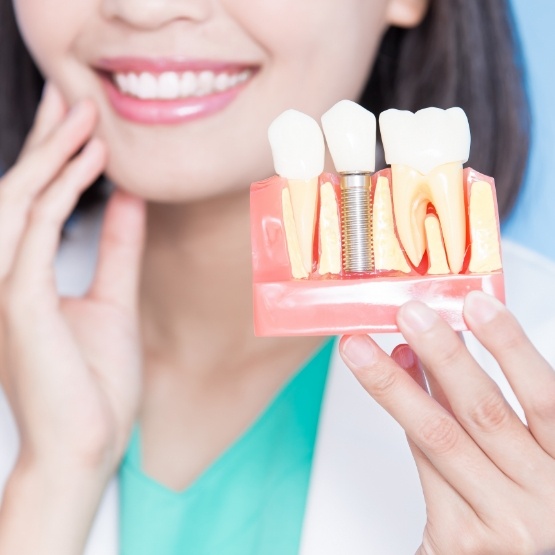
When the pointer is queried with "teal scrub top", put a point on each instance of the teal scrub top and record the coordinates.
(250, 500)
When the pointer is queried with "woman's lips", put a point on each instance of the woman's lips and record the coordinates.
(161, 91)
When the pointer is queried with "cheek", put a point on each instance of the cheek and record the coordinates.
(49, 28)
(315, 53)
(321, 49)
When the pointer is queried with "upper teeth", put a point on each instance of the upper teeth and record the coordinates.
(425, 139)
(171, 85)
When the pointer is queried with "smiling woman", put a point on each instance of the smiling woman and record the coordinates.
(155, 374)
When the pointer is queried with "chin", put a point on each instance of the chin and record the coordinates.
(172, 183)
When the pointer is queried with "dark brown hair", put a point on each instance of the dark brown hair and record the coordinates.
(464, 53)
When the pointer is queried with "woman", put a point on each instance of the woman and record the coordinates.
(164, 334)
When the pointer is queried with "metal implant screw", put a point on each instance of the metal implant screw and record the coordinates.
(356, 222)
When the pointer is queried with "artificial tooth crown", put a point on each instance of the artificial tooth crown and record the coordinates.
(351, 135)
(426, 139)
(297, 145)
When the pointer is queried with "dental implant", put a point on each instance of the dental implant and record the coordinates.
(350, 132)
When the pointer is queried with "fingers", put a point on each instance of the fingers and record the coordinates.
(437, 434)
(475, 399)
(438, 493)
(530, 376)
(50, 113)
(34, 262)
(32, 174)
(121, 243)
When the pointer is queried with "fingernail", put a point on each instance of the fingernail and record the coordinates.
(482, 308)
(404, 357)
(359, 349)
(418, 317)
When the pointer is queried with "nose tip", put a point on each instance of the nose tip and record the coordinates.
(151, 14)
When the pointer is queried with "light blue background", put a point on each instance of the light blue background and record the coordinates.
(532, 222)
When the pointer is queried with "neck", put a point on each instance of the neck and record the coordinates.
(206, 375)
(197, 288)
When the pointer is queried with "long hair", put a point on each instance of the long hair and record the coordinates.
(464, 53)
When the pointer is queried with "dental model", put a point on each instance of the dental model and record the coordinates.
(298, 149)
(346, 259)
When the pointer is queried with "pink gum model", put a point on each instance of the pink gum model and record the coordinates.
(354, 303)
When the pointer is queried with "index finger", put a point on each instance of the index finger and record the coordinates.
(51, 111)
(528, 373)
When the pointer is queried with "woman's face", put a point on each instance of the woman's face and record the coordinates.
(212, 75)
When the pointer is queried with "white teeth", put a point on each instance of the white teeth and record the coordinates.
(188, 84)
(148, 86)
(133, 84)
(205, 84)
(297, 145)
(244, 76)
(168, 85)
(122, 81)
(351, 135)
(427, 139)
(171, 85)
(222, 81)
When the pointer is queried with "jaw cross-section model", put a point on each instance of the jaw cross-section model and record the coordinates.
(340, 253)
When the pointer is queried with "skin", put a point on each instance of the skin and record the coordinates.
(505, 503)
(178, 323)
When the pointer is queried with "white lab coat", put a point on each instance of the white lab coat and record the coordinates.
(364, 496)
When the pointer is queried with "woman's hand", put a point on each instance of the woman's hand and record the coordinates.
(71, 367)
(488, 480)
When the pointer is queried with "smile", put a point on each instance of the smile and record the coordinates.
(168, 92)
(171, 85)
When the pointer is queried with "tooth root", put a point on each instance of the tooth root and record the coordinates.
(387, 251)
(446, 184)
(293, 248)
(329, 232)
(410, 203)
(436, 251)
(443, 187)
(304, 200)
(484, 235)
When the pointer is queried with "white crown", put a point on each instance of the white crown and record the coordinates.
(425, 139)
(297, 145)
(351, 135)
